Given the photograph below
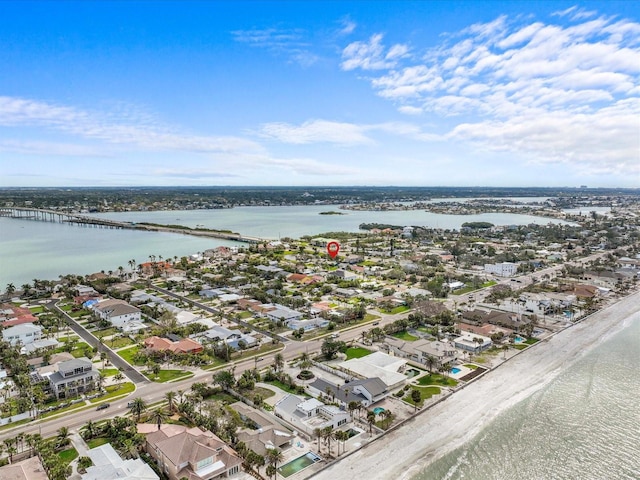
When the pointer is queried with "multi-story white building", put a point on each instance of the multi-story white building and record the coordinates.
(25, 333)
(504, 269)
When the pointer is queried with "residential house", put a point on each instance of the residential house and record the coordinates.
(282, 313)
(364, 391)
(306, 415)
(117, 312)
(189, 453)
(73, 378)
(161, 344)
(29, 469)
(230, 337)
(442, 353)
(387, 368)
(265, 433)
(471, 342)
(11, 315)
(24, 333)
(107, 463)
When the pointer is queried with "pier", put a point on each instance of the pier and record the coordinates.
(45, 215)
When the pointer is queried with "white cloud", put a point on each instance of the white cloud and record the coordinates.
(340, 133)
(371, 55)
(563, 91)
(146, 135)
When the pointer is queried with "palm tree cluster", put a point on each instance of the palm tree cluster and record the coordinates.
(121, 432)
(46, 449)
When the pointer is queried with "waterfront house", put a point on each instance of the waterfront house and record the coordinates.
(265, 433)
(364, 391)
(442, 353)
(191, 453)
(306, 415)
(233, 338)
(472, 343)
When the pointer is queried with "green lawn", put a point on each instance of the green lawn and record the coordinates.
(531, 341)
(79, 313)
(471, 366)
(96, 442)
(169, 375)
(471, 288)
(282, 386)
(425, 394)
(406, 336)
(398, 309)
(119, 342)
(115, 391)
(357, 352)
(128, 354)
(38, 309)
(244, 315)
(109, 372)
(105, 333)
(67, 456)
(437, 379)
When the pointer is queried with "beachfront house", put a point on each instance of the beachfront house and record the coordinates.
(306, 415)
(471, 342)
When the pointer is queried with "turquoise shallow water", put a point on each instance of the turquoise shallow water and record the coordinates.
(584, 424)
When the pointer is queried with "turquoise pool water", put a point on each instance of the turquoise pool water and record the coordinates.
(378, 410)
(297, 464)
(518, 339)
(455, 370)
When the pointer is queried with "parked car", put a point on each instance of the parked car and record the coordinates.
(102, 406)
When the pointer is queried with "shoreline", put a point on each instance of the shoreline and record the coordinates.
(452, 422)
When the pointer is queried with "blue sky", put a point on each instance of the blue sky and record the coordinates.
(320, 93)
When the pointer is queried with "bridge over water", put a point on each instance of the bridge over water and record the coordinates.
(46, 215)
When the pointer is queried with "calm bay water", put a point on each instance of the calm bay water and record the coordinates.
(585, 424)
(31, 249)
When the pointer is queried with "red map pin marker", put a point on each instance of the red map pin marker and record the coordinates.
(333, 248)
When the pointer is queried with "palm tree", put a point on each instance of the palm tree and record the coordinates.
(430, 363)
(278, 362)
(274, 456)
(90, 430)
(9, 445)
(318, 433)
(11, 288)
(138, 406)
(371, 419)
(62, 439)
(170, 396)
(159, 416)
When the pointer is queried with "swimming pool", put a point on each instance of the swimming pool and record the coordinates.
(518, 339)
(297, 464)
(378, 410)
(455, 370)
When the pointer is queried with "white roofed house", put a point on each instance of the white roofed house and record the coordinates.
(472, 343)
(306, 415)
(24, 333)
(117, 312)
(107, 463)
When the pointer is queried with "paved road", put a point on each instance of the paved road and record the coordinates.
(118, 361)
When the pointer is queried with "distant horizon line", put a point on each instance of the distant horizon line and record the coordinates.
(581, 187)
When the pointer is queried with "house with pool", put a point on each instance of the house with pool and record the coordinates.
(444, 353)
(306, 415)
(471, 342)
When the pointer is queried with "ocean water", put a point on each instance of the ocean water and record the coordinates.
(584, 424)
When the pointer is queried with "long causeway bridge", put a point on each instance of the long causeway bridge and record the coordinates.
(45, 215)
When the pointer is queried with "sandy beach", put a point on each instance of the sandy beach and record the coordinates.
(403, 453)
